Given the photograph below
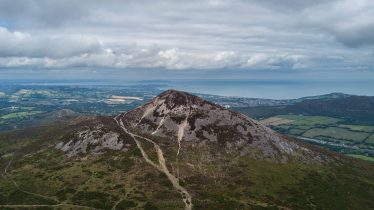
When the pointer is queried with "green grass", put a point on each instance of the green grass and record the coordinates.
(20, 115)
(362, 128)
(300, 120)
(286, 127)
(90, 182)
(270, 186)
(296, 131)
(362, 157)
(370, 139)
(96, 181)
(326, 128)
(336, 133)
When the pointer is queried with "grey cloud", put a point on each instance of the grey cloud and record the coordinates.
(356, 37)
(253, 34)
(350, 22)
(42, 13)
(290, 5)
(18, 44)
(140, 57)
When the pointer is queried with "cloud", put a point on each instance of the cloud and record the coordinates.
(277, 61)
(351, 23)
(18, 44)
(18, 49)
(43, 13)
(196, 34)
(134, 58)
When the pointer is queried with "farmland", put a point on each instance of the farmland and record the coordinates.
(20, 115)
(329, 131)
(28, 105)
(336, 133)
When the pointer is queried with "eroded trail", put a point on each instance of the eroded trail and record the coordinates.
(161, 166)
(181, 129)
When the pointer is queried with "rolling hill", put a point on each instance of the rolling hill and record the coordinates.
(357, 109)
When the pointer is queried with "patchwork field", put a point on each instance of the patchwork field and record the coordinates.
(335, 133)
(20, 114)
(301, 120)
(363, 128)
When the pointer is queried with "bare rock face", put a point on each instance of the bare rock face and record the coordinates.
(94, 136)
(188, 119)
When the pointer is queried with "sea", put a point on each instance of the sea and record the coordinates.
(257, 88)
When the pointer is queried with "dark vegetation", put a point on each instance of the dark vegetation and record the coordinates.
(354, 109)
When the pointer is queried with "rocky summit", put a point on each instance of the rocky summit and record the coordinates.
(190, 121)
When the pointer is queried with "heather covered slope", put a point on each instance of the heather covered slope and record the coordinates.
(144, 160)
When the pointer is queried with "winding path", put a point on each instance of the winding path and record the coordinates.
(161, 166)
(24, 191)
(35, 206)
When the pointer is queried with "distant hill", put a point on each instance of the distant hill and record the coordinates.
(357, 109)
(239, 102)
(42, 118)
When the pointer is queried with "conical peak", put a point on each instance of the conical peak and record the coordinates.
(173, 98)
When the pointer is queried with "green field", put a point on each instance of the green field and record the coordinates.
(19, 115)
(296, 131)
(363, 157)
(329, 129)
(336, 133)
(300, 120)
(363, 128)
(370, 139)
(321, 127)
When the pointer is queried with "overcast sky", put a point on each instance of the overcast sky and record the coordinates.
(186, 36)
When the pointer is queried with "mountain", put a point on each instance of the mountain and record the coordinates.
(325, 97)
(359, 109)
(190, 121)
(177, 151)
(240, 102)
